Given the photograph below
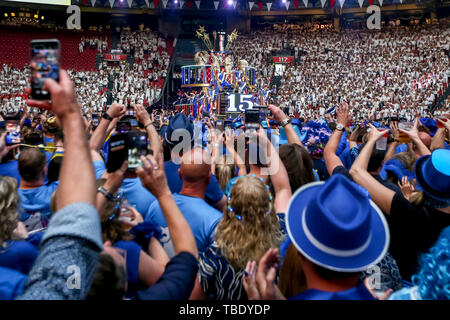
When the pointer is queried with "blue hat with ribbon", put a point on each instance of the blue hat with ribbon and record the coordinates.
(348, 237)
(178, 123)
(433, 174)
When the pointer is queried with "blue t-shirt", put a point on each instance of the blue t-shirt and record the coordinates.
(359, 292)
(10, 169)
(132, 189)
(132, 265)
(18, 255)
(34, 209)
(11, 283)
(202, 219)
(213, 192)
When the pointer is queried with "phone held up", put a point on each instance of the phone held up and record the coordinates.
(45, 63)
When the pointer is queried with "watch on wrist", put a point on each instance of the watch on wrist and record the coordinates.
(108, 195)
(285, 122)
(107, 116)
(340, 127)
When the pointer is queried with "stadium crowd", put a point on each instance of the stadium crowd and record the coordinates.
(163, 205)
(399, 71)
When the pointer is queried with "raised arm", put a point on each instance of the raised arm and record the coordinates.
(381, 195)
(391, 150)
(154, 179)
(98, 137)
(278, 174)
(414, 136)
(329, 153)
(280, 116)
(143, 117)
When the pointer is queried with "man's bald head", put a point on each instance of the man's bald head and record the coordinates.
(195, 166)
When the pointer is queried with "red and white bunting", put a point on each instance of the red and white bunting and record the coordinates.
(341, 2)
(269, 5)
(130, 2)
(250, 5)
(322, 2)
(111, 3)
(197, 3)
(360, 3)
(93, 2)
(216, 4)
(165, 3)
(287, 5)
(305, 2)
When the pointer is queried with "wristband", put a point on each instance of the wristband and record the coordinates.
(148, 124)
(107, 116)
(108, 195)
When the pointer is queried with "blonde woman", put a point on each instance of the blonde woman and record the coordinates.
(252, 222)
(14, 254)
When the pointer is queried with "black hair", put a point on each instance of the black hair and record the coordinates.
(376, 158)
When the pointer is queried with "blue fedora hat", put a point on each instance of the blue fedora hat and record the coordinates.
(335, 225)
(178, 122)
(433, 174)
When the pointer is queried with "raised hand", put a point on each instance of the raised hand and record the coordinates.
(374, 134)
(152, 175)
(265, 276)
(116, 110)
(142, 115)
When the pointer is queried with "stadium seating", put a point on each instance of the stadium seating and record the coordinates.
(15, 47)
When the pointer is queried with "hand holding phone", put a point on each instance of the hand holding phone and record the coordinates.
(45, 63)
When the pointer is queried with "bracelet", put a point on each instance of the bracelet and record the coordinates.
(108, 195)
(107, 116)
(148, 124)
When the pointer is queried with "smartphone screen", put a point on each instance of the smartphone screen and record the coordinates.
(117, 152)
(45, 57)
(137, 147)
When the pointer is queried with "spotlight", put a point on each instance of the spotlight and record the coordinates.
(284, 1)
(6, 14)
(36, 16)
(230, 2)
(175, 1)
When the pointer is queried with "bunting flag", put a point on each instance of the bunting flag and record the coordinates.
(111, 3)
(250, 5)
(181, 4)
(165, 3)
(370, 2)
(269, 5)
(287, 5)
(189, 4)
(234, 4)
(130, 2)
(313, 3)
(216, 4)
(83, 2)
(305, 2)
(332, 2)
(260, 4)
(197, 3)
(296, 3)
(341, 2)
(381, 2)
(93, 2)
(322, 2)
(390, 1)
(155, 3)
(360, 3)
(401, 1)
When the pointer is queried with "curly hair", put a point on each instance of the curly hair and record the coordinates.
(433, 279)
(9, 206)
(257, 230)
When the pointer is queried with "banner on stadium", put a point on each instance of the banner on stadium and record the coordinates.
(54, 2)
(283, 59)
(115, 57)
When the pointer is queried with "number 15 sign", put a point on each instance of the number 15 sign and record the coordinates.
(238, 103)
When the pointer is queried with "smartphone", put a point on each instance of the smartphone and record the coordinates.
(137, 147)
(220, 125)
(130, 111)
(13, 138)
(117, 152)
(45, 61)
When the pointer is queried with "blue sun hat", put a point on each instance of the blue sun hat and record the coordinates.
(433, 174)
(348, 237)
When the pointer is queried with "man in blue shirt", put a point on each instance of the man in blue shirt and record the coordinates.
(178, 131)
(195, 172)
(35, 196)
